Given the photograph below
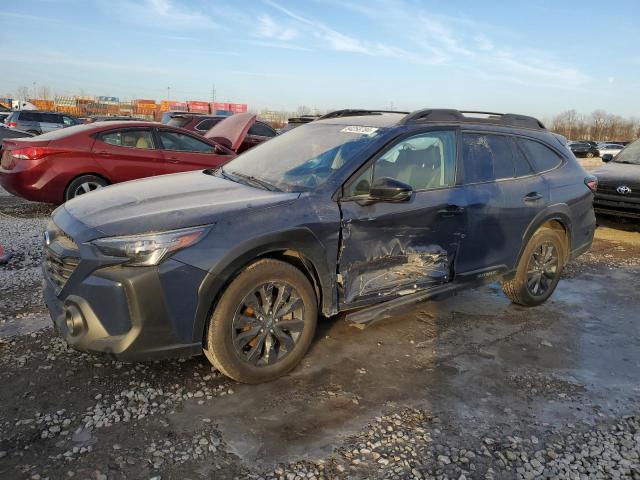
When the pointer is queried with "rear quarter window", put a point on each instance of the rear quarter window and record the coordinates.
(261, 130)
(541, 157)
(26, 116)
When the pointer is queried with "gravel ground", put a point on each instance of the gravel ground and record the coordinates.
(470, 387)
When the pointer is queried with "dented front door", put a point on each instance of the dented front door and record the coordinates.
(391, 249)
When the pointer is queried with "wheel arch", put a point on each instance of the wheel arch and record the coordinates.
(556, 217)
(95, 174)
(299, 248)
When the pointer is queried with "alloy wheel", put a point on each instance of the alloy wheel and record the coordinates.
(543, 268)
(86, 187)
(268, 323)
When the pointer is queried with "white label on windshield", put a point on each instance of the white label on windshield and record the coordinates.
(359, 129)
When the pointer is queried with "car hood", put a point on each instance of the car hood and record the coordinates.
(231, 131)
(162, 203)
(620, 173)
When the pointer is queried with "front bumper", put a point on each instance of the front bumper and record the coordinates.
(617, 205)
(129, 313)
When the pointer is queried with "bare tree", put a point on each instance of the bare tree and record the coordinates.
(44, 93)
(23, 93)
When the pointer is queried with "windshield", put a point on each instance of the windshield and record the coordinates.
(631, 154)
(177, 121)
(304, 157)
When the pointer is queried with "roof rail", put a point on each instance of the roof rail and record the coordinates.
(450, 115)
(356, 112)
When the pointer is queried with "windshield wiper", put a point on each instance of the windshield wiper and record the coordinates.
(252, 180)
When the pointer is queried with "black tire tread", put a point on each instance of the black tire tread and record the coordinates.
(516, 289)
(215, 351)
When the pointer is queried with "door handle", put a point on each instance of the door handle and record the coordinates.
(450, 211)
(102, 153)
(173, 160)
(532, 197)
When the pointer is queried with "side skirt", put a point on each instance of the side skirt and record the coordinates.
(381, 311)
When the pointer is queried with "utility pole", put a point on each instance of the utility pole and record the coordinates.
(213, 92)
(168, 93)
(35, 94)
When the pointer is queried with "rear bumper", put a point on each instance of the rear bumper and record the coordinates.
(22, 184)
(133, 313)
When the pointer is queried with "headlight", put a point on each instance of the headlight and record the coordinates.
(149, 249)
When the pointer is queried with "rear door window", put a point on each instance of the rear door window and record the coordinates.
(520, 162)
(261, 130)
(541, 157)
(178, 121)
(26, 116)
(51, 118)
(129, 138)
(486, 157)
(206, 124)
(183, 143)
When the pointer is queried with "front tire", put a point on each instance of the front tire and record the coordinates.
(263, 324)
(538, 270)
(84, 184)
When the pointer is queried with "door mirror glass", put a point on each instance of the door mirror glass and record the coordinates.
(607, 157)
(385, 189)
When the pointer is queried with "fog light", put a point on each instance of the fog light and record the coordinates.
(73, 320)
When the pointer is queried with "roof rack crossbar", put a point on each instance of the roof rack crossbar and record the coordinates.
(450, 115)
(349, 112)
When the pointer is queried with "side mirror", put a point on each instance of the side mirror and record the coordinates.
(607, 157)
(387, 189)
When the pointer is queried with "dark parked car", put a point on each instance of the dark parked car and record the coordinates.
(59, 166)
(583, 149)
(12, 133)
(37, 122)
(618, 191)
(199, 123)
(295, 122)
(340, 214)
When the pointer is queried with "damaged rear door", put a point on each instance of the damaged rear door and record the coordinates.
(393, 248)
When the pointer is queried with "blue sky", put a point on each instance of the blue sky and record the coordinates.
(534, 57)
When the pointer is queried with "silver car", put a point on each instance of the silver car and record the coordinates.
(37, 122)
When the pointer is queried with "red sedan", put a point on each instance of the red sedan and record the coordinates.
(58, 166)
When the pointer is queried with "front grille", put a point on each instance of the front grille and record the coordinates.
(61, 255)
(59, 268)
(612, 189)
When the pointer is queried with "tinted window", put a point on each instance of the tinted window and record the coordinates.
(128, 138)
(424, 161)
(261, 130)
(51, 118)
(68, 120)
(541, 157)
(486, 157)
(178, 121)
(183, 143)
(521, 164)
(206, 124)
(27, 116)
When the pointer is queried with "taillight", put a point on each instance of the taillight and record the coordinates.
(591, 182)
(12, 124)
(30, 153)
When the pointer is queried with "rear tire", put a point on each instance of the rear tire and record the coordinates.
(84, 184)
(250, 338)
(538, 270)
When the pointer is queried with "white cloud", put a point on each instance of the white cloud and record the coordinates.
(286, 46)
(269, 28)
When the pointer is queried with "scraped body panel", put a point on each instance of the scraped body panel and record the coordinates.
(391, 249)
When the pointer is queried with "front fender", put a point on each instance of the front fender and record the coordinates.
(300, 240)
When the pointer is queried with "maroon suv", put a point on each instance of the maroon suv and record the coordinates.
(202, 123)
